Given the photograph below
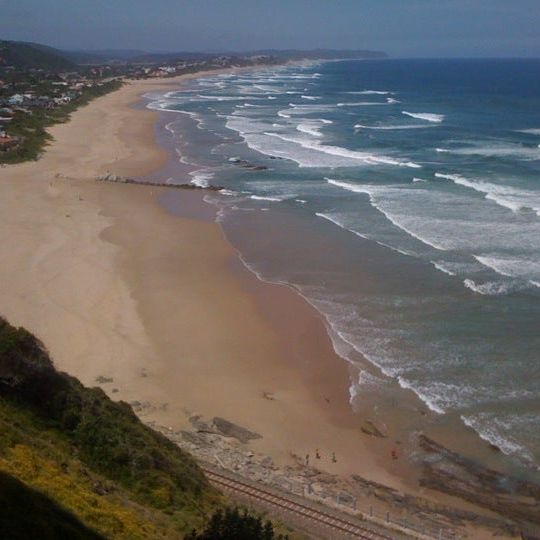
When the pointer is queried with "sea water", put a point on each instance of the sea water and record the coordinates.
(402, 199)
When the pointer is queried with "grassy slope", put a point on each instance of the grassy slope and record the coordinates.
(92, 455)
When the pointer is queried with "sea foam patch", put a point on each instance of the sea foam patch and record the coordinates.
(510, 197)
(428, 117)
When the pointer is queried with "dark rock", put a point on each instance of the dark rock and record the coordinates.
(232, 430)
(369, 428)
(452, 473)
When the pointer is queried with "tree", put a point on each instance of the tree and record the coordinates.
(232, 524)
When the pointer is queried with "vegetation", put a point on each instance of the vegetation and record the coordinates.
(30, 127)
(48, 520)
(20, 54)
(232, 524)
(90, 455)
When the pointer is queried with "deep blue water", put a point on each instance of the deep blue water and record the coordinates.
(402, 198)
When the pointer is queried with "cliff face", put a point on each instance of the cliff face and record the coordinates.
(90, 455)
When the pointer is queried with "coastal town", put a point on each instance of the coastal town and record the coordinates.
(33, 98)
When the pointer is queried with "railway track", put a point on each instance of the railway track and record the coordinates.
(342, 526)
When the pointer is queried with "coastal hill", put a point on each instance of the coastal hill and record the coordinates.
(26, 55)
(120, 56)
(97, 469)
(327, 54)
(23, 55)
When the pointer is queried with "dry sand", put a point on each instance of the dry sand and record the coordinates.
(118, 287)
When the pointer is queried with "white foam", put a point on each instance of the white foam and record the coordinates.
(201, 178)
(313, 98)
(527, 268)
(311, 128)
(392, 127)
(372, 192)
(261, 198)
(514, 199)
(302, 108)
(439, 266)
(222, 98)
(305, 151)
(429, 117)
(266, 88)
(499, 149)
(228, 192)
(494, 288)
(370, 92)
(335, 221)
(415, 179)
(347, 155)
(366, 380)
(429, 398)
(500, 431)
(361, 103)
(530, 131)
(166, 106)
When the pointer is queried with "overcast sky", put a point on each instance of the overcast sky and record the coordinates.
(399, 27)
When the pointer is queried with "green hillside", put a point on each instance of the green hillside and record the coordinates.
(23, 55)
(90, 456)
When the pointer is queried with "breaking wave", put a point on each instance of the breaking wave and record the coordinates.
(429, 117)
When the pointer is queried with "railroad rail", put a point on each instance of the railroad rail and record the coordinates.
(344, 526)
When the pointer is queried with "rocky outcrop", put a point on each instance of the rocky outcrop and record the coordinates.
(449, 472)
(244, 164)
(125, 180)
(369, 428)
(228, 429)
(354, 494)
(220, 426)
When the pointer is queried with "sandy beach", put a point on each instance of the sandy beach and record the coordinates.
(157, 308)
(116, 287)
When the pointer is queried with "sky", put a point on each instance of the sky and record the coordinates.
(402, 28)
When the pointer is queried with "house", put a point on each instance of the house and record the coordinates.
(16, 99)
(6, 114)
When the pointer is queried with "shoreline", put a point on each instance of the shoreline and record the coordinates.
(111, 302)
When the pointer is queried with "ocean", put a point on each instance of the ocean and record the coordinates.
(402, 199)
